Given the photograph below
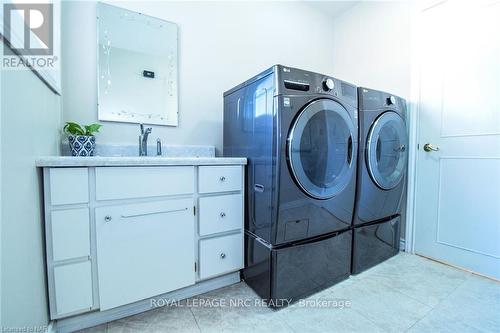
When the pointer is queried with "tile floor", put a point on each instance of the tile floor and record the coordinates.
(407, 293)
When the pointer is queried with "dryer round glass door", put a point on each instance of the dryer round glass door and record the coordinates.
(387, 150)
(321, 149)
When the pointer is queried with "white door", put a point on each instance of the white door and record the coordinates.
(458, 186)
(144, 250)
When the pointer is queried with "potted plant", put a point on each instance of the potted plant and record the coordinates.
(81, 138)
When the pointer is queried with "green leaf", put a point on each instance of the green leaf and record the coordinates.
(92, 128)
(73, 129)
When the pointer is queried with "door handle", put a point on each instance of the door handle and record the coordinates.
(349, 150)
(428, 147)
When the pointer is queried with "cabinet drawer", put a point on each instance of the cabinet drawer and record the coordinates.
(220, 178)
(70, 233)
(221, 255)
(73, 288)
(138, 182)
(221, 213)
(69, 186)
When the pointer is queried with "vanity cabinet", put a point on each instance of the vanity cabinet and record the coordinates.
(116, 235)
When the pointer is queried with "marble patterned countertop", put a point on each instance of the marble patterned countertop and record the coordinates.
(126, 155)
(96, 161)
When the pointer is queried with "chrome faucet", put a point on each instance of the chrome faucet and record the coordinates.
(158, 147)
(143, 140)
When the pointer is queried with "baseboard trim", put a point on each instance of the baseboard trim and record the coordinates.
(459, 268)
(95, 318)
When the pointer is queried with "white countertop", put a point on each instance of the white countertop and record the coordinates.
(96, 161)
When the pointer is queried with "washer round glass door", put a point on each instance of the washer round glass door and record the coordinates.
(321, 149)
(386, 150)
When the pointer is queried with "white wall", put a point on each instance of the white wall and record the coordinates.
(30, 125)
(220, 45)
(1, 187)
(372, 46)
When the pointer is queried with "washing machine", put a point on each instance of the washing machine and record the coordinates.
(299, 132)
(381, 181)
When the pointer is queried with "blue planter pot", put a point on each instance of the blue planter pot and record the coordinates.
(81, 145)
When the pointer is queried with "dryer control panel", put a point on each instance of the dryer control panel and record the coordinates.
(293, 81)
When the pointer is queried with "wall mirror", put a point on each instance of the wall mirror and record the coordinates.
(137, 67)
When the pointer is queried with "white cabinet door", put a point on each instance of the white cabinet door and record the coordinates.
(144, 250)
(70, 233)
(458, 186)
(62, 186)
(73, 288)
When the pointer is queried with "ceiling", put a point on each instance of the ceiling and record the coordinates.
(332, 8)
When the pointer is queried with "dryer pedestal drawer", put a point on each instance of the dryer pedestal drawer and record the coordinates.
(374, 243)
(297, 271)
(221, 255)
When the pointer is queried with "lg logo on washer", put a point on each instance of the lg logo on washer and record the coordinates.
(28, 29)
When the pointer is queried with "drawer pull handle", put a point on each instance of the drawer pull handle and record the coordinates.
(222, 214)
(222, 179)
(153, 213)
(222, 255)
(107, 218)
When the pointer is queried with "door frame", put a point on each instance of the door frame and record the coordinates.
(414, 118)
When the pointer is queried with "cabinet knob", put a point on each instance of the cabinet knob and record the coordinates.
(107, 218)
(222, 178)
(222, 255)
(222, 214)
